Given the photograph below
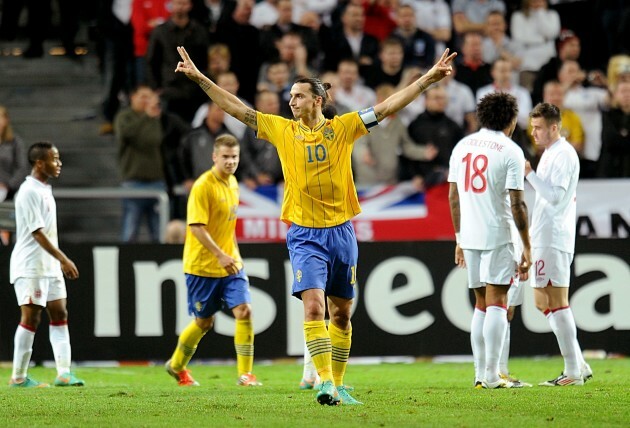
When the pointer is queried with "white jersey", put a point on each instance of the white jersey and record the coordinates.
(35, 208)
(486, 165)
(553, 223)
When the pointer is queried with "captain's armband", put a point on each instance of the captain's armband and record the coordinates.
(368, 117)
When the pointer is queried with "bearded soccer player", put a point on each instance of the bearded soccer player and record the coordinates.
(320, 199)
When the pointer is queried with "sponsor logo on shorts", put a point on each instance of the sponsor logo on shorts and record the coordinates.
(298, 275)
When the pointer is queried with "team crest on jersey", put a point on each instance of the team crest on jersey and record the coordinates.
(38, 294)
(298, 275)
(198, 306)
(299, 137)
(329, 134)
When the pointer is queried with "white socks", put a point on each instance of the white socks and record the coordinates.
(477, 344)
(60, 341)
(494, 334)
(563, 325)
(310, 372)
(505, 353)
(23, 344)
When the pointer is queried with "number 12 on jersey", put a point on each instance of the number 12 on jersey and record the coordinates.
(475, 175)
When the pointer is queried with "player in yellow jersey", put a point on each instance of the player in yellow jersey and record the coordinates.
(320, 199)
(212, 263)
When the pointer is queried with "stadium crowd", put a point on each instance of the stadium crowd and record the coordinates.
(536, 50)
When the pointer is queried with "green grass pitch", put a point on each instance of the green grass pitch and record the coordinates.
(422, 394)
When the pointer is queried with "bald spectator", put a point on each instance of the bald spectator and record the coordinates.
(351, 92)
(497, 44)
(419, 46)
(471, 69)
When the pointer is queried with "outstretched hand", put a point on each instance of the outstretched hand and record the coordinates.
(187, 67)
(443, 67)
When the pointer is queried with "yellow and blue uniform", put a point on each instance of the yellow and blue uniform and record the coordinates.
(213, 202)
(319, 188)
(320, 199)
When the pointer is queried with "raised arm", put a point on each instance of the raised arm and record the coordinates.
(399, 100)
(228, 102)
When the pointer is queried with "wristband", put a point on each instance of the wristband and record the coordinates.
(457, 237)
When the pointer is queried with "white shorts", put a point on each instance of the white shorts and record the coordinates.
(496, 267)
(515, 293)
(551, 267)
(39, 291)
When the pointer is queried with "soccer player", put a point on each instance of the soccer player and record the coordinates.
(553, 237)
(320, 199)
(486, 194)
(37, 270)
(212, 263)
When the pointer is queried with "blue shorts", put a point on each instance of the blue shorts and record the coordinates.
(207, 296)
(324, 258)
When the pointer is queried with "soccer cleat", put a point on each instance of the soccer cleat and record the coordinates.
(478, 384)
(313, 383)
(346, 398)
(587, 372)
(515, 382)
(328, 394)
(183, 378)
(27, 383)
(501, 383)
(68, 379)
(248, 379)
(563, 380)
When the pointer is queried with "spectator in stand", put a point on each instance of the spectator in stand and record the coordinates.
(115, 27)
(535, 27)
(569, 48)
(173, 130)
(270, 37)
(497, 44)
(389, 68)
(264, 14)
(177, 93)
(334, 106)
(469, 16)
(211, 13)
(380, 18)
(471, 70)
(13, 160)
(503, 81)
(350, 41)
(571, 129)
(618, 70)
(322, 8)
(377, 163)
(262, 165)
(229, 82)
(434, 17)
(277, 80)
(197, 146)
(419, 46)
(432, 128)
(145, 16)
(313, 21)
(588, 103)
(614, 161)
(239, 35)
(139, 135)
(351, 92)
(461, 105)
(219, 60)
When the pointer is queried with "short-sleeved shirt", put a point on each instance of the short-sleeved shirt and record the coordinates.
(553, 224)
(486, 165)
(35, 208)
(212, 202)
(319, 188)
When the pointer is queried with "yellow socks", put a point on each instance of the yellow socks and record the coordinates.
(340, 341)
(318, 344)
(244, 345)
(186, 346)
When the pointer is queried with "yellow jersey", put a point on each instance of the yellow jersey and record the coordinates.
(319, 188)
(212, 202)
